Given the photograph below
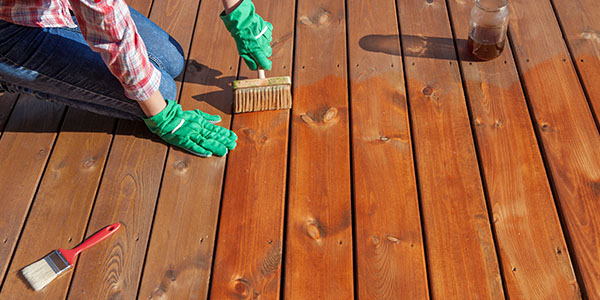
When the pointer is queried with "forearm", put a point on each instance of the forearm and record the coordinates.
(153, 105)
(230, 5)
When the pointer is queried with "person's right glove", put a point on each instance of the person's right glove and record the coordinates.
(192, 130)
(252, 35)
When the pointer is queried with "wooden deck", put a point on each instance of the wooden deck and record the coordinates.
(405, 170)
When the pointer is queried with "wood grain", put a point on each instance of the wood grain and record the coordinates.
(64, 201)
(318, 262)
(25, 146)
(249, 246)
(461, 256)
(534, 256)
(142, 6)
(566, 129)
(580, 20)
(184, 230)
(128, 194)
(390, 256)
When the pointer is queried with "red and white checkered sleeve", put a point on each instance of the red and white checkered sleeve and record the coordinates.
(109, 30)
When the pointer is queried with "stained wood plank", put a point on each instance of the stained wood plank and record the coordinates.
(143, 6)
(318, 262)
(249, 247)
(462, 260)
(566, 129)
(390, 255)
(128, 195)
(25, 146)
(180, 254)
(580, 21)
(63, 203)
(533, 252)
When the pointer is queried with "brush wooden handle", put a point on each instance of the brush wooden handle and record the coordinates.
(261, 74)
(91, 241)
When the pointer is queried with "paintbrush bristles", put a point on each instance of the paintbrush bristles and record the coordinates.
(39, 274)
(263, 98)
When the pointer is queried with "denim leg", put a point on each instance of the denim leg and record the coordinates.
(162, 49)
(57, 65)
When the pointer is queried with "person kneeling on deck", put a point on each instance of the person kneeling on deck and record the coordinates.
(126, 69)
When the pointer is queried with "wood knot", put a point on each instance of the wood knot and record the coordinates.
(558, 251)
(88, 163)
(241, 287)
(375, 240)
(330, 114)
(429, 1)
(181, 165)
(393, 239)
(498, 123)
(320, 17)
(171, 275)
(427, 91)
(314, 230)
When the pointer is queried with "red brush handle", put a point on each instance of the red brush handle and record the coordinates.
(91, 241)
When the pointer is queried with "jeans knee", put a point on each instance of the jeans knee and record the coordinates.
(169, 60)
(168, 88)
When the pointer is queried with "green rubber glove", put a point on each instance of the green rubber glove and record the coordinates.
(193, 130)
(252, 35)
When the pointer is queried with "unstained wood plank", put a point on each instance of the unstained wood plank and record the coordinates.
(461, 255)
(181, 249)
(390, 256)
(580, 20)
(566, 129)
(249, 247)
(318, 246)
(63, 203)
(24, 150)
(534, 256)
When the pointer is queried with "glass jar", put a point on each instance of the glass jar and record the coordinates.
(487, 28)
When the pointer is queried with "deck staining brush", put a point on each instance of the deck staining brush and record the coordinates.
(42, 272)
(262, 93)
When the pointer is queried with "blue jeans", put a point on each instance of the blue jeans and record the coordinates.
(57, 65)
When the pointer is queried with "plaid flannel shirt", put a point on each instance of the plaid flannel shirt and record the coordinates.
(108, 29)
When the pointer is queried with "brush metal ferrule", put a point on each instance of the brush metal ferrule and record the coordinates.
(261, 82)
(57, 262)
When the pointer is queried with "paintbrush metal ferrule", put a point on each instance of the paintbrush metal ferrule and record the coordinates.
(57, 262)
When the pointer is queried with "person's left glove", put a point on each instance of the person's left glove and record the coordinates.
(252, 35)
(192, 130)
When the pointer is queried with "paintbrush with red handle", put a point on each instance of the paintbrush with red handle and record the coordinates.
(42, 272)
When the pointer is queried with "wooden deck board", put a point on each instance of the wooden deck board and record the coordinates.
(452, 198)
(25, 146)
(534, 257)
(370, 160)
(318, 262)
(389, 238)
(566, 130)
(186, 221)
(250, 240)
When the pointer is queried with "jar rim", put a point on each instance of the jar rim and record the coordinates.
(491, 5)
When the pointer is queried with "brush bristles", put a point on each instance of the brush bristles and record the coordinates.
(39, 274)
(263, 98)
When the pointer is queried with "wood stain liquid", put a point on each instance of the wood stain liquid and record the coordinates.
(486, 43)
